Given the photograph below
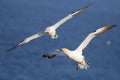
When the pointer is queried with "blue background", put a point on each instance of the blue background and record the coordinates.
(22, 18)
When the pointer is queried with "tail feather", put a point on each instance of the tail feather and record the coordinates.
(83, 65)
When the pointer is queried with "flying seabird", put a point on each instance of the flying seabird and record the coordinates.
(76, 55)
(51, 30)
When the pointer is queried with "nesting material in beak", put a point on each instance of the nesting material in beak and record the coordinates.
(49, 56)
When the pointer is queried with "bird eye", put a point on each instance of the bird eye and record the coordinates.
(60, 49)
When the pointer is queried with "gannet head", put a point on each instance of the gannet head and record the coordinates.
(64, 50)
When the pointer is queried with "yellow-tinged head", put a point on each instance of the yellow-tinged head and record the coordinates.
(65, 50)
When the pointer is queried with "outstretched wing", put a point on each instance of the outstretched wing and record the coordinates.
(55, 26)
(27, 40)
(92, 35)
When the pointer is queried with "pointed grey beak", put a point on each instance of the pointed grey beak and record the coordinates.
(57, 50)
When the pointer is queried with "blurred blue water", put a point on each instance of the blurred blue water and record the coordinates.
(22, 18)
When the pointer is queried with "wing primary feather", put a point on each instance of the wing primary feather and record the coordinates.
(104, 29)
(27, 40)
(17, 45)
(99, 31)
(68, 17)
(80, 10)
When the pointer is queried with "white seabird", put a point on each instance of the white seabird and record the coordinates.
(51, 30)
(77, 54)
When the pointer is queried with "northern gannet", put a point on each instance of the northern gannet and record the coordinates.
(76, 55)
(50, 30)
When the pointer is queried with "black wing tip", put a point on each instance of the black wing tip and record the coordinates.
(9, 50)
(88, 5)
(12, 48)
(85, 7)
(110, 26)
(81, 9)
(113, 25)
(16, 46)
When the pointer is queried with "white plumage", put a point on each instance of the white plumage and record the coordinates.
(77, 54)
(51, 30)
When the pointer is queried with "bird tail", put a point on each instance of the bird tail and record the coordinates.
(83, 65)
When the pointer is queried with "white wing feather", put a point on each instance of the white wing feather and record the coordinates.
(55, 26)
(37, 35)
(92, 35)
(27, 40)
